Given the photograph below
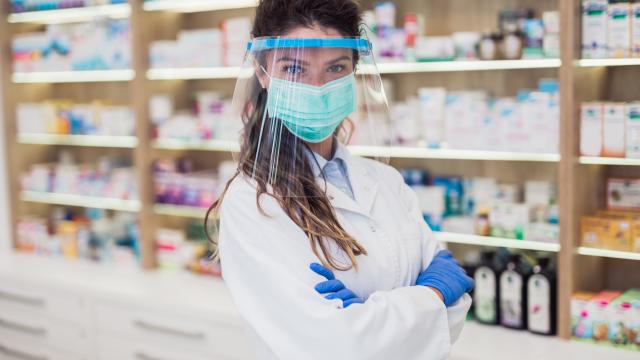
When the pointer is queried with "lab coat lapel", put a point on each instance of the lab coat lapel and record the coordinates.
(364, 186)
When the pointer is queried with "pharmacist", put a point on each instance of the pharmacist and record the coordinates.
(326, 254)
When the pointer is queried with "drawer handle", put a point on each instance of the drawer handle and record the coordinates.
(19, 354)
(22, 328)
(161, 329)
(21, 299)
(143, 356)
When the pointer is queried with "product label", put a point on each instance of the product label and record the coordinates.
(633, 130)
(539, 303)
(484, 295)
(591, 130)
(511, 299)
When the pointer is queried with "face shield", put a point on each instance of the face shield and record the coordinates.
(299, 98)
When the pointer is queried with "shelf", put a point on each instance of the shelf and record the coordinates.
(383, 68)
(587, 251)
(79, 14)
(79, 140)
(193, 73)
(74, 76)
(478, 65)
(187, 6)
(80, 201)
(450, 154)
(496, 242)
(593, 160)
(373, 151)
(204, 145)
(180, 211)
(608, 62)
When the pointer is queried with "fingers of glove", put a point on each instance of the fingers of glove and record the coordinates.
(349, 302)
(344, 294)
(322, 271)
(329, 286)
(444, 254)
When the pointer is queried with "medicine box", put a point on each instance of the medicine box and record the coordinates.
(632, 113)
(599, 313)
(581, 326)
(613, 130)
(622, 318)
(618, 234)
(623, 194)
(635, 29)
(591, 118)
(619, 29)
(594, 29)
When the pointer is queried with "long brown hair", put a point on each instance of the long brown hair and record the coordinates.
(306, 203)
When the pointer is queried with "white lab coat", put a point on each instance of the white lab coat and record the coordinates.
(265, 263)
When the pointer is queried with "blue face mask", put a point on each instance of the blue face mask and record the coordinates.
(312, 113)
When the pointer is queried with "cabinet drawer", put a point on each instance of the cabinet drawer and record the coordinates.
(20, 348)
(50, 303)
(35, 328)
(223, 339)
(112, 347)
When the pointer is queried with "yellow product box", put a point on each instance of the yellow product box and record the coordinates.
(593, 231)
(608, 232)
(635, 239)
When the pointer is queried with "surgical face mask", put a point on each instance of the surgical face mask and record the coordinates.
(312, 113)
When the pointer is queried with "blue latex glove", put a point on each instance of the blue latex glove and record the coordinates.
(334, 287)
(447, 276)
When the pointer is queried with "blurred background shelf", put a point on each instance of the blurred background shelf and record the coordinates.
(608, 253)
(454, 238)
(80, 201)
(73, 76)
(374, 151)
(79, 140)
(593, 160)
(187, 6)
(608, 62)
(193, 73)
(191, 212)
(450, 154)
(203, 145)
(479, 65)
(383, 68)
(115, 11)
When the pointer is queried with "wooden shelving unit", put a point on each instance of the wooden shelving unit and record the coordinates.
(579, 179)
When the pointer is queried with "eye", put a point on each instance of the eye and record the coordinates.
(337, 68)
(292, 69)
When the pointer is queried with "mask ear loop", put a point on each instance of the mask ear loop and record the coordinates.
(346, 129)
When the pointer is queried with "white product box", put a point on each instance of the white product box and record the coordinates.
(539, 193)
(591, 118)
(551, 20)
(623, 194)
(551, 45)
(632, 112)
(594, 29)
(619, 30)
(542, 232)
(432, 104)
(464, 114)
(537, 122)
(635, 29)
(613, 134)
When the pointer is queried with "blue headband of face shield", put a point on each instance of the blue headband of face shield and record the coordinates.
(361, 45)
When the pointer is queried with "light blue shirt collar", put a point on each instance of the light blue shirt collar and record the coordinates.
(321, 166)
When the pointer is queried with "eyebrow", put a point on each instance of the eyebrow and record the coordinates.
(287, 58)
(343, 57)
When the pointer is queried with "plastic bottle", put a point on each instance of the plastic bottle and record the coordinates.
(486, 295)
(513, 294)
(541, 293)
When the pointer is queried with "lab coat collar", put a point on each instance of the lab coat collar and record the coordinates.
(363, 183)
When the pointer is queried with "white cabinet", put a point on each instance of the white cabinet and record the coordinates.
(86, 312)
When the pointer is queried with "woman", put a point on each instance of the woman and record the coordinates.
(326, 254)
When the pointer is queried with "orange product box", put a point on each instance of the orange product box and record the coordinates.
(620, 234)
(593, 230)
(635, 238)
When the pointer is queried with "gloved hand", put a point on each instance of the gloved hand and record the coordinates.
(447, 276)
(334, 287)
